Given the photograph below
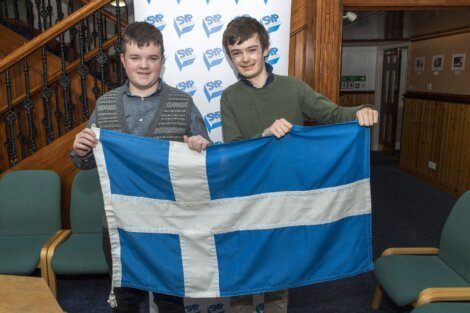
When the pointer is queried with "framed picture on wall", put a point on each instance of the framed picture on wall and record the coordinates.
(419, 64)
(438, 62)
(458, 62)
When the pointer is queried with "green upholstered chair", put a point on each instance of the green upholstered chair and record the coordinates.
(444, 307)
(29, 220)
(405, 274)
(79, 250)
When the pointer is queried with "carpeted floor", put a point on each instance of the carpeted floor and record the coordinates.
(406, 212)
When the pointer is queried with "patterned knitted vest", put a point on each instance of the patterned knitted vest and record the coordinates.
(171, 121)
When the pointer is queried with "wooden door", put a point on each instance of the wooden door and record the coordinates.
(390, 98)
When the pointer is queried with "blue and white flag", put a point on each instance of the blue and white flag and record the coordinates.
(240, 218)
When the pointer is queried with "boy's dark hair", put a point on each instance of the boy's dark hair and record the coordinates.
(142, 34)
(243, 28)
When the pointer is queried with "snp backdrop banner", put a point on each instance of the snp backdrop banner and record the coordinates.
(195, 59)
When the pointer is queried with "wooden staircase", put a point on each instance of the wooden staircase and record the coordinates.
(15, 90)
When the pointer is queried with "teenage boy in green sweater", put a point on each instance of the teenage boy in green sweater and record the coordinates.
(262, 103)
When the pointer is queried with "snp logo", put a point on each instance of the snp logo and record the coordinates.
(271, 22)
(216, 308)
(184, 57)
(273, 56)
(193, 308)
(212, 24)
(213, 89)
(158, 20)
(212, 121)
(213, 57)
(187, 86)
(184, 24)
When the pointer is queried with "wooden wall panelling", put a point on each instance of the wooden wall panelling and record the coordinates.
(424, 144)
(450, 155)
(298, 18)
(464, 169)
(298, 39)
(328, 18)
(292, 43)
(410, 135)
(356, 98)
(437, 131)
(299, 55)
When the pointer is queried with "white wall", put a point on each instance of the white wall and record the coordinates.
(360, 61)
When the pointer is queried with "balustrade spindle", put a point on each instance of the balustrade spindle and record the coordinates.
(38, 9)
(49, 12)
(46, 99)
(16, 12)
(28, 105)
(105, 25)
(83, 72)
(57, 113)
(43, 14)
(1, 12)
(101, 58)
(65, 84)
(95, 89)
(21, 137)
(94, 33)
(2, 16)
(10, 118)
(118, 45)
(60, 14)
(6, 9)
(30, 16)
(88, 37)
(73, 30)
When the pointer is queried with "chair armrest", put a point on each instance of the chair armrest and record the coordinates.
(411, 250)
(51, 279)
(443, 294)
(43, 254)
(65, 233)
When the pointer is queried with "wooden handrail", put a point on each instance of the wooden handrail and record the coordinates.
(51, 33)
(52, 78)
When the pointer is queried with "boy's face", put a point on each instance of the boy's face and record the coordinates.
(143, 67)
(248, 57)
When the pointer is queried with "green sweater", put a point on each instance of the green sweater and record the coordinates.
(246, 112)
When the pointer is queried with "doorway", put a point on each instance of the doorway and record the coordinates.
(389, 33)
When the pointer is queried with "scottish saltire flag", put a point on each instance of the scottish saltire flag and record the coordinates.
(241, 218)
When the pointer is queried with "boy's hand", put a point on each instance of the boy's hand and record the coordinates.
(196, 143)
(367, 117)
(84, 142)
(279, 128)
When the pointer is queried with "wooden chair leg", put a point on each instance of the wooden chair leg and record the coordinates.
(52, 282)
(377, 297)
(44, 254)
(51, 277)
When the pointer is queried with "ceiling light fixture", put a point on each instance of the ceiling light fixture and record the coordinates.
(119, 3)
